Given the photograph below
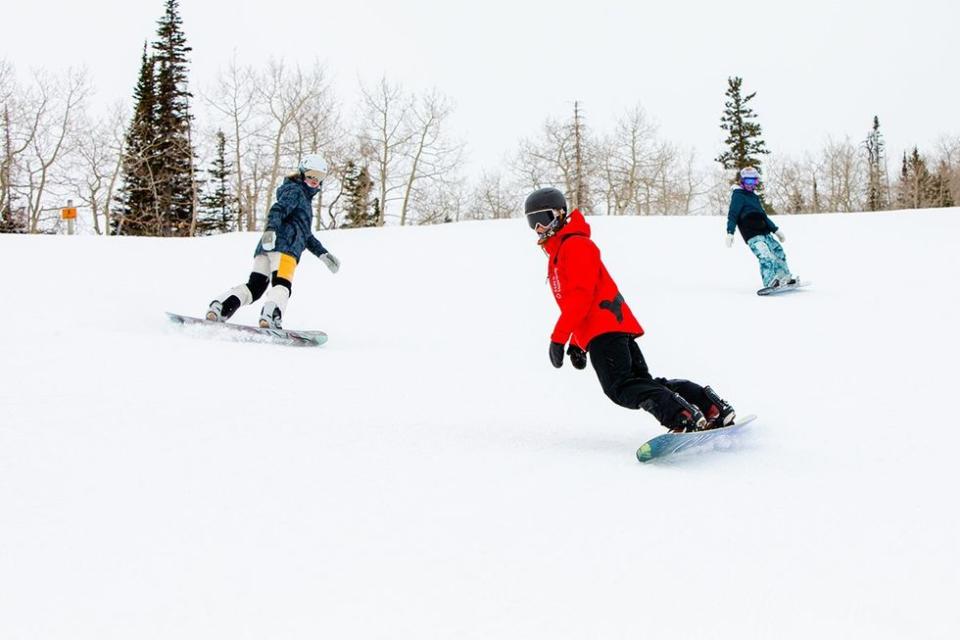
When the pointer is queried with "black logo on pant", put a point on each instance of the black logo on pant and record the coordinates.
(614, 306)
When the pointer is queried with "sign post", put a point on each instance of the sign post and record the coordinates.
(69, 213)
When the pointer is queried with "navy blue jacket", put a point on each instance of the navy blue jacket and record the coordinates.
(747, 214)
(291, 216)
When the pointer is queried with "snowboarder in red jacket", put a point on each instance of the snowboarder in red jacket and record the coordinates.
(595, 319)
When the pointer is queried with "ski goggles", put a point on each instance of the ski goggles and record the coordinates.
(751, 181)
(542, 218)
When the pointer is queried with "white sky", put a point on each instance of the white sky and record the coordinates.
(820, 67)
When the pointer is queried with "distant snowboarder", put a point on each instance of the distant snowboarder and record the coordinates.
(595, 319)
(747, 214)
(287, 234)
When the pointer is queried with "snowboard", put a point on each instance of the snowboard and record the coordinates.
(669, 443)
(766, 291)
(291, 337)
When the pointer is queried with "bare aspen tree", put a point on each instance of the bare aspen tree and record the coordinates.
(656, 181)
(650, 175)
(6, 165)
(787, 184)
(386, 131)
(843, 173)
(442, 202)
(100, 151)
(683, 184)
(432, 158)
(235, 97)
(285, 95)
(59, 114)
(318, 130)
(257, 165)
(194, 186)
(492, 198)
(629, 152)
(717, 194)
(549, 160)
(24, 112)
(948, 151)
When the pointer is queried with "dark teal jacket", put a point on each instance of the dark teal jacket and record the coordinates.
(291, 216)
(747, 214)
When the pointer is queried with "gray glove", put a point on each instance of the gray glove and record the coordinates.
(331, 261)
(781, 236)
(729, 240)
(268, 240)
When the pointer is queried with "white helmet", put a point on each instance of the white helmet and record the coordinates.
(313, 164)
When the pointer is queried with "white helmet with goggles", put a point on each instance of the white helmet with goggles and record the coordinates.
(313, 166)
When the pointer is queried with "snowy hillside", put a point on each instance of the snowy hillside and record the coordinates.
(428, 474)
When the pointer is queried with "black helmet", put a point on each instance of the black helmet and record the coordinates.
(546, 198)
(546, 210)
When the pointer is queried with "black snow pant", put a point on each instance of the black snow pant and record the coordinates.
(626, 380)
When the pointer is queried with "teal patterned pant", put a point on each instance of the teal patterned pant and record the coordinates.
(773, 261)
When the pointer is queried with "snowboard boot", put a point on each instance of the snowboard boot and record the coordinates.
(688, 419)
(720, 413)
(792, 280)
(221, 311)
(215, 312)
(270, 316)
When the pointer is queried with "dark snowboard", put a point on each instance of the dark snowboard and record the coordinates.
(766, 291)
(242, 332)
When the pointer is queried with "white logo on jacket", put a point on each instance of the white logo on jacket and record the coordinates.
(555, 283)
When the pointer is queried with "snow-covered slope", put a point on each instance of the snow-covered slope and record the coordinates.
(428, 474)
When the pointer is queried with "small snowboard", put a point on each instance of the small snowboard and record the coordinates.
(292, 337)
(669, 443)
(766, 291)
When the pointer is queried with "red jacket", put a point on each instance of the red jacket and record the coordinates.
(590, 303)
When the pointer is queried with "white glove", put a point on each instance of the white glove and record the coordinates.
(729, 240)
(781, 236)
(331, 261)
(268, 240)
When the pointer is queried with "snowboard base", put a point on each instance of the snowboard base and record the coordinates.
(291, 337)
(670, 443)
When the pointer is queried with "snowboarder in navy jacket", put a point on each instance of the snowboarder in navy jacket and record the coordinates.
(287, 234)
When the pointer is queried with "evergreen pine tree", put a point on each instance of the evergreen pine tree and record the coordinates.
(9, 223)
(356, 193)
(137, 212)
(218, 204)
(917, 188)
(940, 186)
(744, 144)
(876, 169)
(175, 179)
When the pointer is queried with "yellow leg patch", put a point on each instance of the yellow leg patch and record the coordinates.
(288, 264)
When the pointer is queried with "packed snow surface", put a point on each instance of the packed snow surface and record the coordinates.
(428, 474)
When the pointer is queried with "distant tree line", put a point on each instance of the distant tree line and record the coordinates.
(151, 170)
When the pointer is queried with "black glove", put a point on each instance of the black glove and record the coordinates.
(556, 354)
(578, 357)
